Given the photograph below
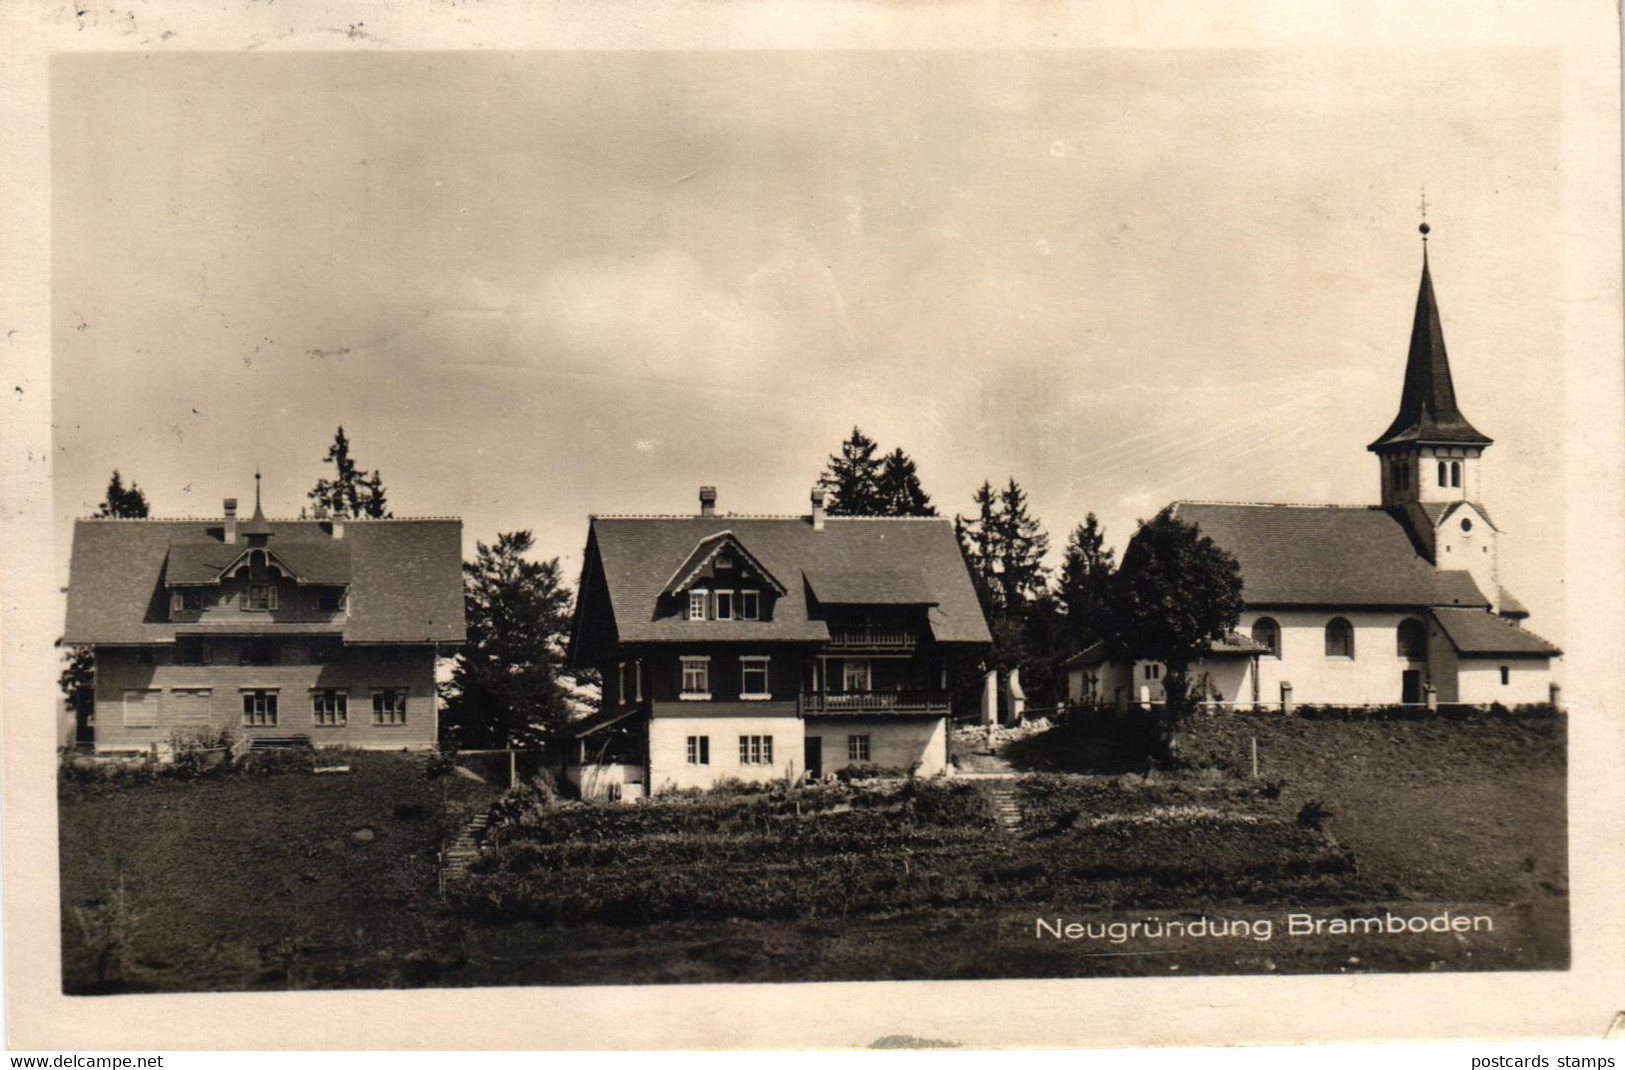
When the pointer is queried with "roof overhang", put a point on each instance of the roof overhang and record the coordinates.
(705, 551)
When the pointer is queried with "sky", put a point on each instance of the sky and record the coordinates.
(538, 286)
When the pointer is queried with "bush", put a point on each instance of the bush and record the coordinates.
(1313, 815)
(200, 750)
(279, 760)
(870, 771)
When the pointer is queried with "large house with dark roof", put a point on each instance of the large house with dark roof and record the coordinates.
(767, 647)
(322, 629)
(1367, 604)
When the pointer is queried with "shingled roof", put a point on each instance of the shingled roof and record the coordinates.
(867, 561)
(1323, 555)
(1232, 643)
(1476, 633)
(1427, 402)
(404, 576)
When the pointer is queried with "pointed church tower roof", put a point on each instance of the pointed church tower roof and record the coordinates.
(256, 524)
(1427, 404)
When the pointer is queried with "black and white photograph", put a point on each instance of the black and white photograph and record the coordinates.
(532, 520)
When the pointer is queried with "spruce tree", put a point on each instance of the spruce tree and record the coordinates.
(898, 487)
(122, 502)
(1083, 586)
(354, 492)
(852, 479)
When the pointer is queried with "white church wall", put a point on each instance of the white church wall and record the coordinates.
(1373, 675)
(1527, 680)
(1471, 548)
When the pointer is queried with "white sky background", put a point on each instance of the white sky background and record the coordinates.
(538, 286)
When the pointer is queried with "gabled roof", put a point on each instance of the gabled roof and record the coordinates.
(1427, 402)
(404, 576)
(1232, 643)
(1479, 633)
(1328, 555)
(1438, 512)
(883, 561)
(709, 548)
(323, 561)
(1510, 606)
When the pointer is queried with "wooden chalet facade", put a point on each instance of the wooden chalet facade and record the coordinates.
(321, 629)
(767, 647)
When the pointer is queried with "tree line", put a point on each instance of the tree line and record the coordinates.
(1173, 593)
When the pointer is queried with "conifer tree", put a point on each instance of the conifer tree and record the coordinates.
(852, 479)
(122, 502)
(1084, 586)
(898, 487)
(354, 492)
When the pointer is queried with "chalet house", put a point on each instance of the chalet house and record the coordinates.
(767, 647)
(1361, 605)
(322, 629)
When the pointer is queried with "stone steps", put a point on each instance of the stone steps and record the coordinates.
(1006, 810)
(462, 851)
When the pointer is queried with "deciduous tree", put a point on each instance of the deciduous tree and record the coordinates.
(1176, 592)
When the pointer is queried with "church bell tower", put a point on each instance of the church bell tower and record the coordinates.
(1429, 455)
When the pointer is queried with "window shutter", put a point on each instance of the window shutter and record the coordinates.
(270, 597)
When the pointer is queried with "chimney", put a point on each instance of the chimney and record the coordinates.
(818, 508)
(708, 501)
(231, 519)
(338, 526)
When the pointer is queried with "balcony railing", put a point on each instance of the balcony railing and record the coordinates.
(863, 638)
(850, 702)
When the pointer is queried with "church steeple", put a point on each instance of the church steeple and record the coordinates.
(1429, 455)
(1427, 404)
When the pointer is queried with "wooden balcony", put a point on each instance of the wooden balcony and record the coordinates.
(850, 703)
(868, 638)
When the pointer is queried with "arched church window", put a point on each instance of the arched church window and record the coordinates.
(1444, 474)
(1413, 640)
(1455, 473)
(1339, 638)
(1266, 633)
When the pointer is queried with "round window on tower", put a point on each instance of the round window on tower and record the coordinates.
(1466, 524)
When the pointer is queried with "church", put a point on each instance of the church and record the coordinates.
(1366, 605)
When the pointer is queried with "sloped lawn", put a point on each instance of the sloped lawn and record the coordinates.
(275, 880)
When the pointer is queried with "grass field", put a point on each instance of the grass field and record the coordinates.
(246, 882)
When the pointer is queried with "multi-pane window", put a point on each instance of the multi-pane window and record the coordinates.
(260, 596)
(329, 708)
(724, 561)
(192, 704)
(854, 675)
(1153, 671)
(725, 605)
(697, 677)
(389, 706)
(857, 748)
(259, 708)
(750, 605)
(699, 750)
(753, 677)
(141, 709)
(1339, 638)
(755, 750)
(697, 604)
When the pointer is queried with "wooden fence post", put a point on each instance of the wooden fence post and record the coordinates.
(513, 769)
(1253, 746)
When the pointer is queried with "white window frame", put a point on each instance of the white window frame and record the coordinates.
(723, 560)
(395, 717)
(702, 664)
(273, 707)
(750, 604)
(857, 747)
(341, 709)
(755, 750)
(717, 602)
(749, 663)
(699, 603)
(699, 750)
(620, 675)
(151, 695)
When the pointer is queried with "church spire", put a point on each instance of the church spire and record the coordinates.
(1427, 403)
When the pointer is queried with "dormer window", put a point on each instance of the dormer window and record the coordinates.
(259, 596)
(750, 605)
(330, 599)
(725, 605)
(697, 604)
